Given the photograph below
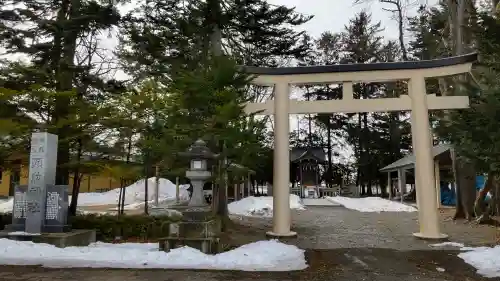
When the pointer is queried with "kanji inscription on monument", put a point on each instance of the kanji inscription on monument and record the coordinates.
(42, 171)
(56, 211)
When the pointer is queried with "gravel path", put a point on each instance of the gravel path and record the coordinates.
(338, 227)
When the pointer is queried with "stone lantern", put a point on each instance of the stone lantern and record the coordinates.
(198, 172)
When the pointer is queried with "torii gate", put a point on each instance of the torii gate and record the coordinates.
(417, 101)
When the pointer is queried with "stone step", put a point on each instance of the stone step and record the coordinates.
(210, 245)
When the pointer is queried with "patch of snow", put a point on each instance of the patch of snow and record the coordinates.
(473, 248)
(258, 256)
(134, 195)
(260, 206)
(371, 204)
(440, 269)
(22, 233)
(486, 260)
(447, 244)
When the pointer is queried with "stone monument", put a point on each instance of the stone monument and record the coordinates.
(200, 228)
(41, 207)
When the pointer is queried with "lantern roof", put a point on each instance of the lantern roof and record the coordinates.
(199, 150)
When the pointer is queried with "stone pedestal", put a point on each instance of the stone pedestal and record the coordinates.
(199, 229)
(79, 237)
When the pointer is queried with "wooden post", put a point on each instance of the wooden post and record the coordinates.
(402, 182)
(389, 185)
(437, 176)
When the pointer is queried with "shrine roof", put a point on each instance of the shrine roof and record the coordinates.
(302, 153)
(408, 162)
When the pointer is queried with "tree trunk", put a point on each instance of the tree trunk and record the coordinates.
(465, 188)
(120, 195)
(76, 181)
(495, 198)
(146, 183)
(369, 191)
(464, 174)
(401, 29)
(329, 149)
(124, 188)
(64, 75)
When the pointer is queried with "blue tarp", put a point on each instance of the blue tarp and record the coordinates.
(448, 196)
(479, 182)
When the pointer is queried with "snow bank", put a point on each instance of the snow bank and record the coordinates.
(6, 207)
(371, 204)
(485, 259)
(260, 206)
(134, 195)
(258, 256)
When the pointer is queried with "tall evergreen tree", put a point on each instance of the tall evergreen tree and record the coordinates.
(362, 44)
(51, 85)
(167, 34)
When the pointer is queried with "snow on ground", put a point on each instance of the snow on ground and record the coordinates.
(485, 259)
(260, 206)
(371, 204)
(23, 233)
(258, 256)
(134, 195)
(447, 244)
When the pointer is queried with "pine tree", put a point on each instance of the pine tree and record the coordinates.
(475, 131)
(169, 34)
(362, 44)
(51, 86)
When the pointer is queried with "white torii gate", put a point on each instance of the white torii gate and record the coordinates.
(417, 101)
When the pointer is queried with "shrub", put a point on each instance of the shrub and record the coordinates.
(108, 227)
(5, 219)
(126, 226)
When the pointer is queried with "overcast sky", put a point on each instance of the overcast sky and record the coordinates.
(333, 15)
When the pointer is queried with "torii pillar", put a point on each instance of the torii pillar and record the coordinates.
(282, 219)
(428, 216)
